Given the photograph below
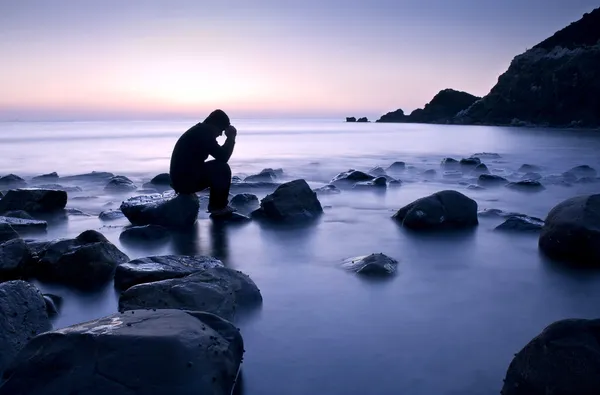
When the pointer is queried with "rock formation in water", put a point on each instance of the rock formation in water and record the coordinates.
(555, 83)
(350, 119)
(441, 109)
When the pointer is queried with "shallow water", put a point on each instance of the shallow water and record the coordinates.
(451, 319)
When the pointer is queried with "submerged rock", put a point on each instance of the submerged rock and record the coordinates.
(111, 215)
(245, 202)
(531, 176)
(266, 175)
(95, 176)
(452, 174)
(33, 200)
(348, 178)
(233, 218)
(327, 190)
(442, 210)
(491, 180)
(450, 163)
(7, 232)
(397, 167)
(15, 255)
(126, 354)
(24, 225)
(377, 183)
(429, 173)
(481, 169)
(583, 171)
(254, 186)
(12, 181)
(171, 212)
(572, 232)
(87, 261)
(22, 316)
(119, 184)
(291, 202)
(526, 186)
(221, 291)
(469, 163)
(527, 168)
(488, 155)
(521, 224)
(563, 359)
(373, 264)
(144, 233)
(46, 177)
(377, 171)
(157, 268)
(18, 214)
(59, 187)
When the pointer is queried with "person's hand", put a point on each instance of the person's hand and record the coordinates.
(231, 131)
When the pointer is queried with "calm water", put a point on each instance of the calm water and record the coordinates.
(451, 319)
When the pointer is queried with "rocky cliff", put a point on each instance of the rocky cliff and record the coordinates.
(555, 83)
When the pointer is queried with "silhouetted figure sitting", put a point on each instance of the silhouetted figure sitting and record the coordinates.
(191, 173)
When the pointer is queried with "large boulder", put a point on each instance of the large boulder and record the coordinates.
(291, 202)
(24, 225)
(442, 210)
(491, 180)
(7, 233)
(33, 200)
(140, 352)
(377, 183)
(571, 231)
(349, 178)
(371, 265)
(12, 181)
(157, 268)
(564, 359)
(22, 316)
(245, 202)
(164, 210)
(88, 261)
(15, 255)
(221, 291)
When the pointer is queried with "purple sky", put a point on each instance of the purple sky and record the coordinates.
(80, 59)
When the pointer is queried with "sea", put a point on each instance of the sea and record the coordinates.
(448, 322)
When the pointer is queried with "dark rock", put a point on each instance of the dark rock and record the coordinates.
(33, 200)
(144, 233)
(494, 213)
(350, 119)
(474, 187)
(393, 116)
(17, 214)
(377, 171)
(555, 179)
(327, 190)
(526, 186)
(481, 169)
(291, 202)
(374, 264)
(15, 255)
(532, 176)
(363, 119)
(587, 180)
(379, 182)
(172, 212)
(7, 232)
(59, 187)
(429, 173)
(236, 179)
(572, 231)
(521, 224)
(126, 354)
(245, 201)
(583, 171)
(53, 304)
(254, 186)
(443, 210)
(569, 177)
(469, 163)
(76, 212)
(450, 164)
(120, 184)
(46, 177)
(87, 261)
(111, 215)
(394, 183)
(266, 175)
(220, 291)
(95, 176)
(563, 359)
(397, 167)
(157, 268)
(163, 179)
(24, 225)
(527, 168)
(12, 181)
(349, 178)
(22, 316)
(491, 180)
(232, 218)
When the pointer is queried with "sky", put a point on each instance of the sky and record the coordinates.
(149, 59)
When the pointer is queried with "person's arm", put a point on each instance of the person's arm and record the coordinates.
(223, 152)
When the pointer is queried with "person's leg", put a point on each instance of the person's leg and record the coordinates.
(219, 177)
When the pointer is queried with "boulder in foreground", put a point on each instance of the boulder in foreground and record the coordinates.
(15, 255)
(372, 265)
(140, 352)
(165, 210)
(157, 268)
(220, 290)
(291, 202)
(7, 233)
(33, 200)
(564, 360)
(442, 210)
(22, 316)
(572, 231)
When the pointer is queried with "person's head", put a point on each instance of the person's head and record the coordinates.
(218, 120)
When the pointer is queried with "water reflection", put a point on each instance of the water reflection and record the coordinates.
(186, 241)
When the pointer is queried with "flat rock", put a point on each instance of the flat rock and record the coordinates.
(527, 168)
(95, 176)
(144, 233)
(327, 190)
(15, 255)
(563, 359)
(491, 180)
(572, 231)
(111, 215)
(291, 202)
(24, 225)
(157, 268)
(221, 291)
(7, 232)
(442, 210)
(17, 214)
(171, 352)
(245, 201)
(521, 224)
(88, 261)
(168, 211)
(12, 181)
(373, 264)
(233, 218)
(46, 177)
(526, 186)
(58, 187)
(397, 167)
(349, 178)
(120, 184)
(33, 200)
(22, 316)
(377, 183)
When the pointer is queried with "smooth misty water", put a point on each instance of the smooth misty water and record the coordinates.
(451, 319)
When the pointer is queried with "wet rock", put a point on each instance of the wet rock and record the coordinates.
(429, 173)
(373, 264)
(291, 202)
(53, 304)
(572, 233)
(350, 119)
(111, 215)
(531, 176)
(377, 183)
(22, 316)
(556, 179)
(171, 212)
(348, 178)
(474, 187)
(487, 155)
(18, 214)
(15, 255)
(33, 200)
(327, 190)
(76, 212)
(120, 184)
(394, 183)
(126, 354)
(526, 186)
(233, 218)
(254, 186)
(494, 213)
(236, 179)
(157, 268)
(583, 171)
(481, 169)
(46, 177)
(442, 210)
(24, 225)
(87, 261)
(362, 119)
(563, 359)
(95, 176)
(84, 198)
(491, 180)
(12, 181)
(245, 202)
(521, 224)
(377, 171)
(163, 179)
(527, 168)
(450, 163)
(144, 233)
(7, 233)
(59, 187)
(587, 180)
(397, 167)
(266, 175)
(221, 291)
(467, 164)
